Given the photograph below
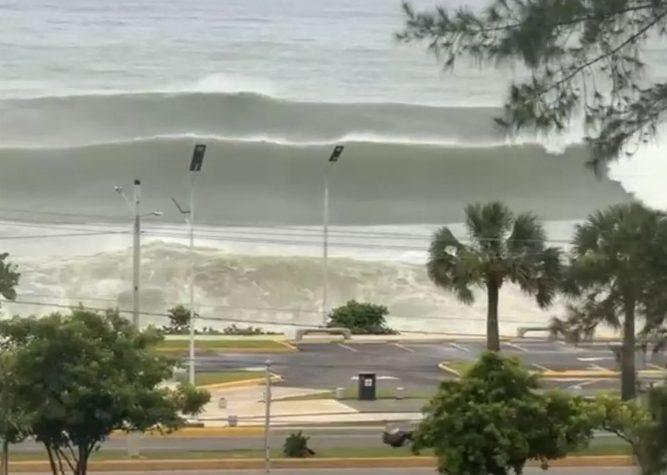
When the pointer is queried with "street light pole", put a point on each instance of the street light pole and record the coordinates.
(136, 254)
(191, 221)
(189, 215)
(335, 155)
(135, 208)
(267, 419)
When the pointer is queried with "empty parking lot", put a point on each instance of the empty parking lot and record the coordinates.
(414, 365)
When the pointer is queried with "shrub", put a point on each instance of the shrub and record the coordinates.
(179, 319)
(361, 318)
(248, 331)
(296, 446)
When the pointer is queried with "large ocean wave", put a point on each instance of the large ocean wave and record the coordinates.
(66, 121)
(409, 166)
(374, 183)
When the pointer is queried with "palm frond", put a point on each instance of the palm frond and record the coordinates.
(583, 318)
(569, 285)
(528, 235)
(452, 266)
(488, 225)
(571, 330)
(549, 276)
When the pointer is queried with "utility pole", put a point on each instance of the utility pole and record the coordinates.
(136, 253)
(195, 166)
(267, 419)
(135, 208)
(333, 159)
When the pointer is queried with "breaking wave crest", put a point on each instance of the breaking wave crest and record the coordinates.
(68, 121)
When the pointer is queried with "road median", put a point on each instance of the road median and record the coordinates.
(142, 465)
(180, 347)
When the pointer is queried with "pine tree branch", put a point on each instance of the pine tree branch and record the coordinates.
(437, 29)
(631, 39)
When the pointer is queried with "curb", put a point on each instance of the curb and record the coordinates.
(241, 464)
(284, 348)
(571, 374)
(203, 432)
(275, 378)
(287, 344)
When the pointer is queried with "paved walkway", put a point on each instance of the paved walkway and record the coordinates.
(248, 406)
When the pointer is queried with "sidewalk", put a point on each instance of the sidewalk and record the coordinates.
(248, 406)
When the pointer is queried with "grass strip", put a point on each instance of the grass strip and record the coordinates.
(600, 446)
(180, 347)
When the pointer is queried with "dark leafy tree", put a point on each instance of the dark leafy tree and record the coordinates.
(79, 377)
(642, 425)
(503, 247)
(581, 55)
(13, 425)
(361, 318)
(179, 319)
(493, 420)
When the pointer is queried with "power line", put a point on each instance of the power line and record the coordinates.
(222, 307)
(275, 310)
(46, 236)
(269, 229)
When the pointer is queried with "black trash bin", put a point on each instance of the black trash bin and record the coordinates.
(367, 383)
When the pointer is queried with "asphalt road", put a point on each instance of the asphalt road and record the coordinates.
(414, 365)
(385, 471)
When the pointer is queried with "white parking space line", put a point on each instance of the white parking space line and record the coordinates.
(569, 347)
(516, 347)
(354, 350)
(587, 382)
(459, 347)
(540, 367)
(404, 348)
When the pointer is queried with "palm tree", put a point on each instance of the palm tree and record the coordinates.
(503, 247)
(618, 273)
(9, 277)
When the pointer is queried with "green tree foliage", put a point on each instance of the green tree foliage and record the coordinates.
(179, 319)
(492, 421)
(642, 426)
(361, 318)
(618, 273)
(78, 377)
(504, 247)
(9, 278)
(581, 55)
(296, 446)
(12, 422)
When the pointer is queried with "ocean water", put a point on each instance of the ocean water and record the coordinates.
(95, 94)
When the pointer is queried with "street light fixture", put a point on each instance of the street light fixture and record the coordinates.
(134, 207)
(189, 215)
(333, 159)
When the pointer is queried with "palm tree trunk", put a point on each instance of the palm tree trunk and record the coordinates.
(628, 375)
(492, 332)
